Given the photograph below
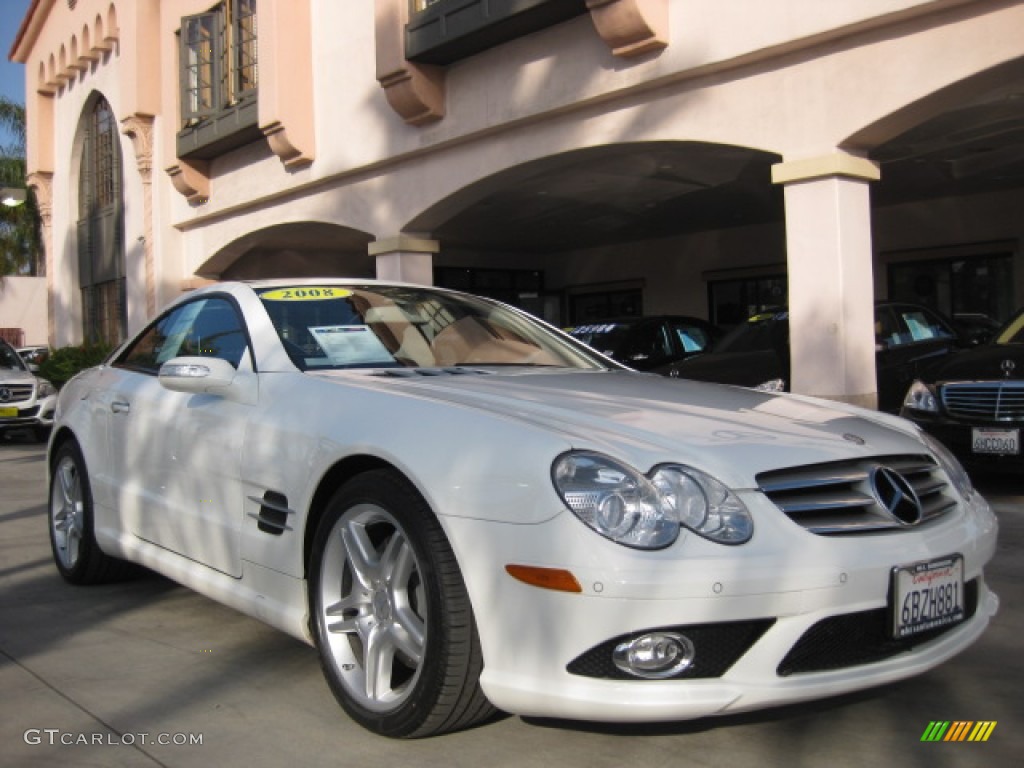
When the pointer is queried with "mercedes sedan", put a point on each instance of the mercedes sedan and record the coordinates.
(973, 401)
(464, 509)
(908, 339)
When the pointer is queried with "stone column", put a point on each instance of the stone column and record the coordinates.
(139, 128)
(41, 183)
(831, 290)
(405, 258)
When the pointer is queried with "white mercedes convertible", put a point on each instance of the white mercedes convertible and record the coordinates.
(464, 510)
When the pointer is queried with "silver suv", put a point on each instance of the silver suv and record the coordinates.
(26, 401)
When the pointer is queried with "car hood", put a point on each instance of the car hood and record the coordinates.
(646, 419)
(981, 364)
(10, 376)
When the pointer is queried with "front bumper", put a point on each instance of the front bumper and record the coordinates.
(786, 578)
(751, 684)
(28, 414)
(959, 438)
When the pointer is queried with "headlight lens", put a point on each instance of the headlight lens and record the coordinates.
(45, 388)
(616, 501)
(957, 474)
(921, 398)
(772, 385)
(703, 504)
(644, 512)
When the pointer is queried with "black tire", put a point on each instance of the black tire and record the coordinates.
(390, 613)
(70, 515)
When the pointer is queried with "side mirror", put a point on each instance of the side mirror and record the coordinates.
(197, 375)
(978, 337)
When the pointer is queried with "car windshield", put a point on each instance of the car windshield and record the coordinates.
(1013, 331)
(335, 326)
(761, 333)
(9, 359)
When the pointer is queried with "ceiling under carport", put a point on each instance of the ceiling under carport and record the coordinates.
(616, 193)
(978, 146)
(639, 191)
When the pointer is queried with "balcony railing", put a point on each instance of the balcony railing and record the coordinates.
(445, 31)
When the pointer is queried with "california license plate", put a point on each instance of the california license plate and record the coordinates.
(927, 595)
(999, 441)
(8, 413)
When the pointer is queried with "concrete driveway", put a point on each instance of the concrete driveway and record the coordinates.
(147, 673)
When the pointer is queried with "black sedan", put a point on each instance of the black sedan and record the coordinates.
(648, 343)
(973, 401)
(908, 338)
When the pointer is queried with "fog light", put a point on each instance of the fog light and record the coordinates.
(654, 656)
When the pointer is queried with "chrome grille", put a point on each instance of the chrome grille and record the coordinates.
(837, 497)
(16, 393)
(985, 401)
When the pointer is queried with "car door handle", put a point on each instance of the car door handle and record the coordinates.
(120, 406)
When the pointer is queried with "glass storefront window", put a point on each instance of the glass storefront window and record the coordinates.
(978, 285)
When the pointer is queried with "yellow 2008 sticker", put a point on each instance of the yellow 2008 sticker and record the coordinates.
(306, 293)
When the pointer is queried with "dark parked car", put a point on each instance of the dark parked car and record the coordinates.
(908, 338)
(973, 401)
(975, 327)
(649, 343)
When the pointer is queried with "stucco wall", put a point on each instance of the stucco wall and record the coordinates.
(23, 305)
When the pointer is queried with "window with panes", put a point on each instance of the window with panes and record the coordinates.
(101, 268)
(219, 65)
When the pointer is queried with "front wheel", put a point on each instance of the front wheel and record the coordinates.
(77, 555)
(390, 613)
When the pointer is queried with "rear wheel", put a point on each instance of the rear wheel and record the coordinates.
(390, 613)
(75, 551)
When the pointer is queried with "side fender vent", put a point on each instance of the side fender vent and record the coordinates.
(273, 515)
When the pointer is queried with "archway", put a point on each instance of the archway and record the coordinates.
(295, 249)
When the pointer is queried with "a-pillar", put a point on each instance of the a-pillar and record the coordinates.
(831, 288)
(405, 258)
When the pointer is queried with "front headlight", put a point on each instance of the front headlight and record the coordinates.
(645, 512)
(703, 504)
(920, 397)
(957, 474)
(46, 389)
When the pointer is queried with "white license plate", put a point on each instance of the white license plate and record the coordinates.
(8, 413)
(927, 595)
(1000, 441)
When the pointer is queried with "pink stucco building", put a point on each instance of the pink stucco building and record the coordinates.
(578, 157)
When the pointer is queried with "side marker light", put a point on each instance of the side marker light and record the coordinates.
(557, 579)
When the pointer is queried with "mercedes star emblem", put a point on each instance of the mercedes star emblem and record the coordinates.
(896, 496)
(5, 394)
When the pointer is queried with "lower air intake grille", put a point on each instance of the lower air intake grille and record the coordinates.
(854, 639)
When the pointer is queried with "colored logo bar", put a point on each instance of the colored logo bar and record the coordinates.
(958, 730)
